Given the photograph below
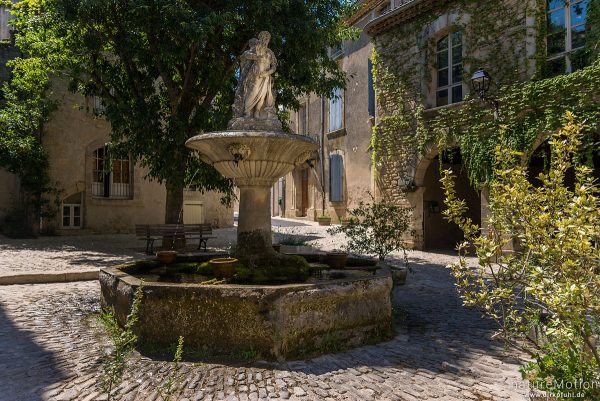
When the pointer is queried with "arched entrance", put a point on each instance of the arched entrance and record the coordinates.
(438, 233)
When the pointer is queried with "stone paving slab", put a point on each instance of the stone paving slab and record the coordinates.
(49, 277)
(50, 350)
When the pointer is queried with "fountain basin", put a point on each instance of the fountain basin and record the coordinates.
(264, 156)
(278, 321)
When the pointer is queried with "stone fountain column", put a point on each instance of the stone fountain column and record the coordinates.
(255, 160)
(254, 222)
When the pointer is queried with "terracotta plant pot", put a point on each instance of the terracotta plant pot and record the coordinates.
(324, 220)
(166, 257)
(223, 267)
(336, 260)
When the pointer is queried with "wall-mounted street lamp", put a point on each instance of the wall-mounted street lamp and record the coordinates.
(481, 82)
(407, 183)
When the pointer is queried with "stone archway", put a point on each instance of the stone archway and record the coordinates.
(437, 232)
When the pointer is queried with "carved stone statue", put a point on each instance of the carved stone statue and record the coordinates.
(254, 106)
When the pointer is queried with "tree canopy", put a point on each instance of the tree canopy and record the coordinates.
(166, 69)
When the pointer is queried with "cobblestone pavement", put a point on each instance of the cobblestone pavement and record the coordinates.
(78, 253)
(50, 341)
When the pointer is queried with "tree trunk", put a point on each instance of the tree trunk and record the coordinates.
(174, 203)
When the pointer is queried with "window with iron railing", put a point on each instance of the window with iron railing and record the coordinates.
(112, 176)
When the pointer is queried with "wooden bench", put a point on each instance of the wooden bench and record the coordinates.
(152, 232)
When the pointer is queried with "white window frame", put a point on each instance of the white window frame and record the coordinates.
(117, 189)
(71, 207)
(450, 67)
(336, 110)
(569, 49)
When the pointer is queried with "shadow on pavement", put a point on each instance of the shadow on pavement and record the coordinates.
(26, 366)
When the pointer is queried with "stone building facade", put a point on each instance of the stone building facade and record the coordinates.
(341, 176)
(426, 52)
(95, 198)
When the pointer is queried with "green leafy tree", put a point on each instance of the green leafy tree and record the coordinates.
(24, 108)
(552, 281)
(166, 69)
(377, 228)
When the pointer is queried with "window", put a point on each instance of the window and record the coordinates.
(449, 70)
(71, 211)
(336, 107)
(566, 35)
(336, 178)
(71, 216)
(302, 119)
(371, 90)
(5, 16)
(112, 176)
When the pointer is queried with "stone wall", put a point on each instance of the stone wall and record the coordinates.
(70, 138)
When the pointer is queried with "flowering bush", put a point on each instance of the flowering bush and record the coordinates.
(552, 281)
(377, 228)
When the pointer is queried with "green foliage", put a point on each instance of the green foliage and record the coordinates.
(24, 108)
(529, 105)
(168, 389)
(552, 280)
(376, 229)
(289, 269)
(166, 70)
(114, 362)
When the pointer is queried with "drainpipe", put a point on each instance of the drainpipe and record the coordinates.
(323, 154)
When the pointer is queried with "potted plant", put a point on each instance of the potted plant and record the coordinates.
(336, 259)
(166, 257)
(324, 220)
(223, 267)
(344, 221)
(378, 229)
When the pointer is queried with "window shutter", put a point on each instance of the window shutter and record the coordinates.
(371, 90)
(336, 174)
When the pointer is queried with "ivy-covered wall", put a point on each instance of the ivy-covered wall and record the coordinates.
(508, 39)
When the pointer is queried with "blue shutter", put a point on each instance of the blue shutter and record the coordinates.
(336, 174)
(371, 90)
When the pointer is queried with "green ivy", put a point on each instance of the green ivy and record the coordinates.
(495, 33)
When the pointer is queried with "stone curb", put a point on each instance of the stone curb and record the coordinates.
(46, 278)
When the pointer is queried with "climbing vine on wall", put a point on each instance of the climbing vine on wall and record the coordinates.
(498, 35)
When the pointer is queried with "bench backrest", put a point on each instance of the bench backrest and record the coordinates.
(141, 230)
(173, 229)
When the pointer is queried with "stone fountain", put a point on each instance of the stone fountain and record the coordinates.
(277, 321)
(254, 151)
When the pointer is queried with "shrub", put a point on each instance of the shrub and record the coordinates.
(376, 229)
(552, 280)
